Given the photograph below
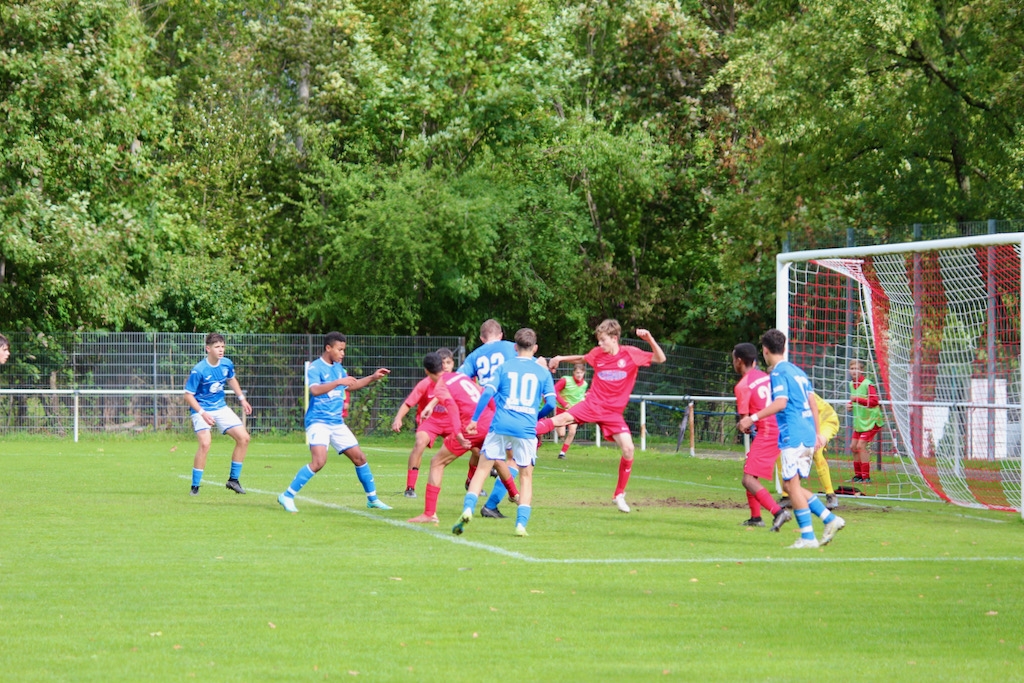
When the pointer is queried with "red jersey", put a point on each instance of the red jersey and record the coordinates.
(754, 393)
(421, 395)
(615, 375)
(459, 395)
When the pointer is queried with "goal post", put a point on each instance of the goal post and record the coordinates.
(937, 327)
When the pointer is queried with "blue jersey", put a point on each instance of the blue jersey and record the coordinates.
(486, 359)
(796, 421)
(326, 408)
(206, 382)
(518, 384)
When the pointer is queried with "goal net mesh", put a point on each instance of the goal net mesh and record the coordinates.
(939, 334)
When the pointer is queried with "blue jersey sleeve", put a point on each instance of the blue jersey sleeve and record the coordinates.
(192, 383)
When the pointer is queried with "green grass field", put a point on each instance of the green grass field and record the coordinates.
(109, 570)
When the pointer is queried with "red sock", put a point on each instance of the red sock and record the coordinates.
(411, 476)
(858, 468)
(625, 467)
(510, 484)
(472, 471)
(755, 507)
(544, 426)
(766, 500)
(867, 469)
(430, 508)
(565, 448)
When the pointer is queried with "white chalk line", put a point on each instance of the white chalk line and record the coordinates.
(512, 554)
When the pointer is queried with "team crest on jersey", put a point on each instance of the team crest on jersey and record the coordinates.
(622, 362)
(216, 387)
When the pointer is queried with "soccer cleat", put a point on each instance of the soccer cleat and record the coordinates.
(753, 521)
(831, 529)
(287, 502)
(424, 519)
(234, 486)
(378, 504)
(513, 499)
(857, 479)
(466, 518)
(194, 491)
(521, 530)
(781, 518)
(620, 502)
(831, 501)
(492, 513)
(804, 543)
(784, 502)
(561, 456)
(410, 492)
(865, 480)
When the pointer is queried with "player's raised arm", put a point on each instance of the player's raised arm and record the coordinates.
(659, 355)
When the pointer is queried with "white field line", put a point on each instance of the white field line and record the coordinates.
(512, 554)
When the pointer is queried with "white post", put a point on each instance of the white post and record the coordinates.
(76, 415)
(1021, 284)
(782, 299)
(643, 425)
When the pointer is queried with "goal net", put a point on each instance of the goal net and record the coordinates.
(937, 327)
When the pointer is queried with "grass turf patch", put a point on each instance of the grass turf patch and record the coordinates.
(109, 570)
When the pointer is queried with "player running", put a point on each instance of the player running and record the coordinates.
(615, 370)
(459, 395)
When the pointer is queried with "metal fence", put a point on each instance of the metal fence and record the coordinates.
(133, 382)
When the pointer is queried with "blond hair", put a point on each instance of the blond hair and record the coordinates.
(609, 327)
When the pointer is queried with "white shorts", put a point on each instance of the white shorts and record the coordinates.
(524, 449)
(339, 436)
(796, 461)
(224, 418)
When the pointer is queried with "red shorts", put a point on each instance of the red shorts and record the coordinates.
(761, 459)
(867, 436)
(611, 423)
(451, 442)
(435, 426)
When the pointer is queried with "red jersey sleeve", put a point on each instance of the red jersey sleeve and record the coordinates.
(592, 355)
(417, 394)
(444, 397)
(640, 357)
(559, 385)
(872, 396)
(742, 391)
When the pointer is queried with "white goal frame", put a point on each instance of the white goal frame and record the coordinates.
(786, 260)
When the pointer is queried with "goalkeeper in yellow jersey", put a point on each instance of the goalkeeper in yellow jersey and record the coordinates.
(828, 424)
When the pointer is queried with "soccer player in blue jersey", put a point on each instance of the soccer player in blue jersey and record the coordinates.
(204, 394)
(796, 413)
(518, 387)
(481, 365)
(325, 425)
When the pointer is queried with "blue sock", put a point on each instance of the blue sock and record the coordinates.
(301, 479)
(470, 501)
(803, 520)
(236, 469)
(819, 509)
(197, 477)
(498, 492)
(366, 479)
(523, 515)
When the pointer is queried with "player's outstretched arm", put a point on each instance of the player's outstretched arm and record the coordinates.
(369, 379)
(557, 360)
(659, 354)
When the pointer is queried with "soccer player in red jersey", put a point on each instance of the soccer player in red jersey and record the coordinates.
(615, 370)
(754, 392)
(428, 428)
(459, 395)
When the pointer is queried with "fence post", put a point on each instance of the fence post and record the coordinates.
(76, 415)
(643, 425)
(693, 441)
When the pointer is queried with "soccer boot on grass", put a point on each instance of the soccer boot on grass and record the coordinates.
(804, 543)
(377, 504)
(424, 519)
(287, 502)
(466, 518)
(780, 519)
(234, 485)
(494, 514)
(753, 521)
(521, 530)
(831, 529)
(784, 502)
(620, 502)
(410, 492)
(831, 501)
(194, 491)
